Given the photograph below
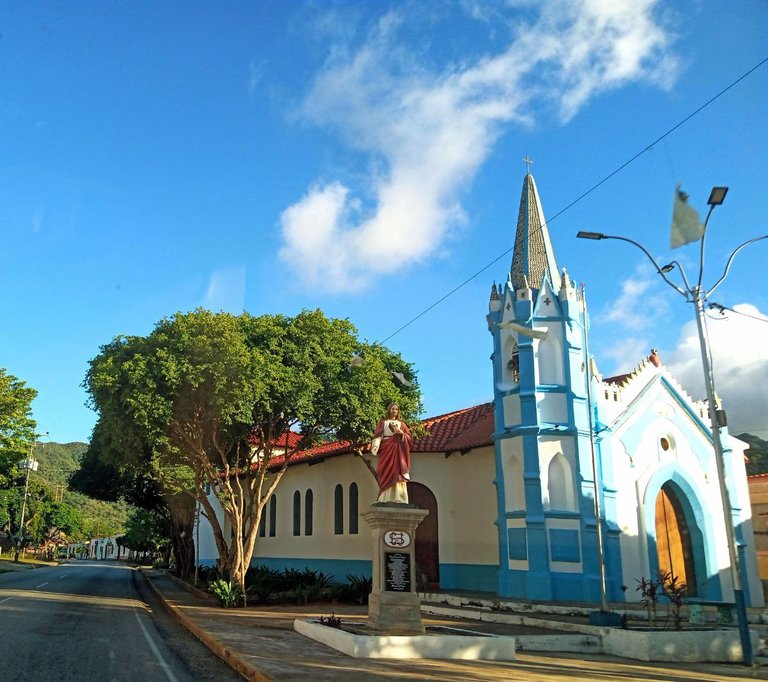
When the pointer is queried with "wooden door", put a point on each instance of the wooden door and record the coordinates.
(673, 539)
(427, 544)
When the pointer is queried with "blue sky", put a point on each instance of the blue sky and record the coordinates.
(366, 158)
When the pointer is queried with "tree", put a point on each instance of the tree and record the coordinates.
(215, 397)
(147, 531)
(17, 428)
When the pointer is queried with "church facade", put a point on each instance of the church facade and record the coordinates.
(511, 486)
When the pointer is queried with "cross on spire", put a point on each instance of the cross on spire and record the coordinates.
(528, 163)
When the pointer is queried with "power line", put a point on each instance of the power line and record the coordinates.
(723, 308)
(585, 194)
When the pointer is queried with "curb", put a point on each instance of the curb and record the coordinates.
(229, 656)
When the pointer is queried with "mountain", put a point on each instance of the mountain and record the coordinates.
(58, 461)
(757, 454)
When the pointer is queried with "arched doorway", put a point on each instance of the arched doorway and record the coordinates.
(427, 545)
(673, 539)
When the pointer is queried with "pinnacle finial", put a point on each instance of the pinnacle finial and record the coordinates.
(528, 163)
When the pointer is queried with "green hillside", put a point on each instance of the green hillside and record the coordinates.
(757, 455)
(58, 461)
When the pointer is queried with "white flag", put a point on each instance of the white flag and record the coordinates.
(686, 224)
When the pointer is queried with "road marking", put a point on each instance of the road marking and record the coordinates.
(166, 668)
(2, 601)
(62, 576)
(41, 585)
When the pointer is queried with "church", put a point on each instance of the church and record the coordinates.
(568, 487)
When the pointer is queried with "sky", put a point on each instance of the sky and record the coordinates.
(366, 158)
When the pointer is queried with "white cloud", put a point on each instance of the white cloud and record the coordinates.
(425, 133)
(629, 311)
(740, 359)
(226, 290)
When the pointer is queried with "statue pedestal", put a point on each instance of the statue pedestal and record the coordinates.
(394, 606)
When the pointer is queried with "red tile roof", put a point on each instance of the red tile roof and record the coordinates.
(461, 430)
(279, 442)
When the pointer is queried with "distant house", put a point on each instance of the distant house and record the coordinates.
(509, 485)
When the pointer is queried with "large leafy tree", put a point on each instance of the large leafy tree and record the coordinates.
(211, 399)
(17, 436)
(17, 428)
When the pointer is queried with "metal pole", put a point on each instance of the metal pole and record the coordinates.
(595, 482)
(197, 539)
(738, 593)
(20, 534)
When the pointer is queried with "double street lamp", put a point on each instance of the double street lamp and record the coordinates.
(697, 294)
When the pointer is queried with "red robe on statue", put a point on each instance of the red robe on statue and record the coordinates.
(394, 458)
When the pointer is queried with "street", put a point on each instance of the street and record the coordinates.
(94, 621)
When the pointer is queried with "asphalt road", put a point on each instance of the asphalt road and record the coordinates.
(94, 621)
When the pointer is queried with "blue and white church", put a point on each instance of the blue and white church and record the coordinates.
(511, 486)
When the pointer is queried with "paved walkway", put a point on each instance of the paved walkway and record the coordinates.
(261, 644)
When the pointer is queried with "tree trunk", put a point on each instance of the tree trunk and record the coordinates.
(181, 509)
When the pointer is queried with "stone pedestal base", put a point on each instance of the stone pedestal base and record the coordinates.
(395, 613)
(394, 607)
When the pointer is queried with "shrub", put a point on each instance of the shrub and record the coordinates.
(226, 591)
(650, 590)
(360, 587)
(332, 621)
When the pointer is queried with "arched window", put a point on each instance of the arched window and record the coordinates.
(353, 510)
(560, 484)
(263, 523)
(511, 356)
(338, 510)
(308, 499)
(272, 516)
(297, 513)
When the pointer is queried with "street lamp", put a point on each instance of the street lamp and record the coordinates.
(698, 295)
(30, 464)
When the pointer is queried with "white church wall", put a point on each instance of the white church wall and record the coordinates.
(468, 537)
(467, 507)
(552, 407)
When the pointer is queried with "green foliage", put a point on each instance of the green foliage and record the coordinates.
(675, 591)
(58, 462)
(226, 591)
(650, 590)
(206, 397)
(757, 454)
(147, 530)
(17, 428)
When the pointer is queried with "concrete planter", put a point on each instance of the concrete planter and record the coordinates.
(489, 648)
(684, 646)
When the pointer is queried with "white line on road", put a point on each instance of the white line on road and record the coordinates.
(41, 585)
(2, 601)
(62, 576)
(166, 668)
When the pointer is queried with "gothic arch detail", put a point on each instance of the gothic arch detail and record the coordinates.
(560, 492)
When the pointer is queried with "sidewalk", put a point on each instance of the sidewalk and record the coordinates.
(261, 644)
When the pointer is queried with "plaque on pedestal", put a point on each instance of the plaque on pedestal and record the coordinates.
(394, 607)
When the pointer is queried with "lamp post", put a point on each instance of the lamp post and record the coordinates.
(30, 464)
(697, 295)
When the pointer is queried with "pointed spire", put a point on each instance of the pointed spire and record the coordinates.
(533, 256)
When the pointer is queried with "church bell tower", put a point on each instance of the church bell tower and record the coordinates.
(544, 481)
